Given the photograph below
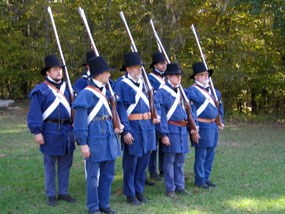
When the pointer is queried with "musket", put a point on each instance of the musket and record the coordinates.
(113, 101)
(218, 119)
(147, 84)
(67, 79)
(190, 120)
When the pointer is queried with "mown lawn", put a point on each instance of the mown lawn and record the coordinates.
(249, 170)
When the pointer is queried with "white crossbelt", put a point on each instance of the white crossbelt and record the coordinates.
(59, 98)
(139, 95)
(177, 97)
(159, 79)
(208, 100)
(102, 101)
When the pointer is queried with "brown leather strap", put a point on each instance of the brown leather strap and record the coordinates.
(178, 123)
(55, 88)
(203, 120)
(142, 116)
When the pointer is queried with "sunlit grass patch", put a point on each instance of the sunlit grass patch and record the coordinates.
(258, 204)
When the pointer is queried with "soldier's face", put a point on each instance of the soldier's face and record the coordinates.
(55, 73)
(161, 66)
(202, 77)
(175, 79)
(104, 77)
(135, 72)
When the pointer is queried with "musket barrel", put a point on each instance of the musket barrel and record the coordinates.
(134, 49)
(191, 122)
(85, 22)
(71, 91)
(145, 79)
(218, 119)
(116, 119)
(203, 59)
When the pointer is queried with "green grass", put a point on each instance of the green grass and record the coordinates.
(249, 171)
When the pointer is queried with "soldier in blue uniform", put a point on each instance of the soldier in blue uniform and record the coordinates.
(158, 67)
(138, 137)
(93, 128)
(49, 119)
(82, 82)
(204, 104)
(173, 131)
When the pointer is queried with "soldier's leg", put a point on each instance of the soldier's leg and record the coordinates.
(209, 162)
(129, 169)
(142, 163)
(50, 174)
(92, 200)
(64, 164)
(168, 171)
(199, 165)
(179, 178)
(107, 173)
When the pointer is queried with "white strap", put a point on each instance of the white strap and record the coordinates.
(206, 102)
(177, 97)
(102, 101)
(139, 95)
(59, 98)
(158, 78)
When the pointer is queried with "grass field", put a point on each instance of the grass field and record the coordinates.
(249, 170)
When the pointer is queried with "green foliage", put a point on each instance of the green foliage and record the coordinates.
(243, 41)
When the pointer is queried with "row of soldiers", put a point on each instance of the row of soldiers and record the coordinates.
(50, 120)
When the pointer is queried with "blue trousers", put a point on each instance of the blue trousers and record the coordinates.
(64, 164)
(153, 159)
(99, 197)
(134, 173)
(174, 178)
(204, 158)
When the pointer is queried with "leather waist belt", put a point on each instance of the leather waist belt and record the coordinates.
(143, 116)
(203, 120)
(102, 118)
(62, 121)
(178, 123)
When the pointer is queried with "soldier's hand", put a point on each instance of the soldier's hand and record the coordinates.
(118, 131)
(85, 151)
(156, 121)
(221, 127)
(195, 136)
(165, 140)
(128, 138)
(39, 139)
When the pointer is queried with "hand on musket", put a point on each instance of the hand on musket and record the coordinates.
(156, 120)
(119, 130)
